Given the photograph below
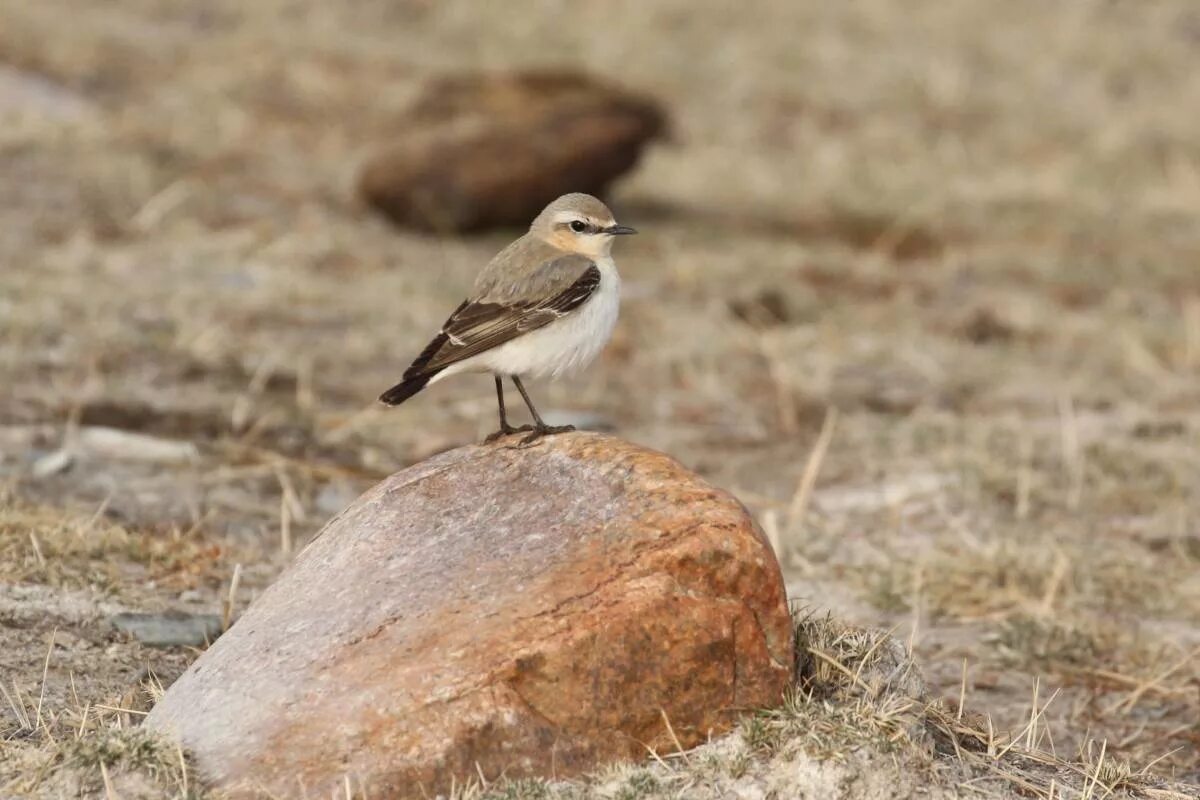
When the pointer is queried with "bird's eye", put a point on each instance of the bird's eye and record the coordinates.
(578, 226)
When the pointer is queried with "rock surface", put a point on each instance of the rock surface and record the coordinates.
(481, 151)
(494, 610)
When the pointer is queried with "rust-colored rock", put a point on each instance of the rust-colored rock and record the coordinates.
(481, 151)
(494, 610)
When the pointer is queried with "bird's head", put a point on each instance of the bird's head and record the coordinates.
(578, 223)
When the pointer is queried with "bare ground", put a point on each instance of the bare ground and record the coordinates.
(917, 281)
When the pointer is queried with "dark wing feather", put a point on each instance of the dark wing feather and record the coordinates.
(477, 327)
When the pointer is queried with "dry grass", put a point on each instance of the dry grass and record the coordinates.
(967, 227)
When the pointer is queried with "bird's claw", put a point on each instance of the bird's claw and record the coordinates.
(507, 430)
(545, 430)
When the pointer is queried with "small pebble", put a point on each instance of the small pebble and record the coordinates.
(170, 628)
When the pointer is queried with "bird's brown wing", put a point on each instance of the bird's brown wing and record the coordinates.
(478, 326)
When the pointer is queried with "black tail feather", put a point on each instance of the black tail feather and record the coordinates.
(415, 377)
(404, 390)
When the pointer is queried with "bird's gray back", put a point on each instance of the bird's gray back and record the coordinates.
(528, 270)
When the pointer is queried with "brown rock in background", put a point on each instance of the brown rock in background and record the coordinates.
(491, 611)
(482, 151)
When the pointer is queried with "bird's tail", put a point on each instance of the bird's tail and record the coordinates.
(404, 390)
(417, 376)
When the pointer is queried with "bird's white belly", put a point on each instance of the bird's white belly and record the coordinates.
(563, 346)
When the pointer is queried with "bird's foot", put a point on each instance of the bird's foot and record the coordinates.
(545, 430)
(507, 430)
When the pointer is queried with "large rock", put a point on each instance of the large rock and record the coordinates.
(479, 151)
(495, 610)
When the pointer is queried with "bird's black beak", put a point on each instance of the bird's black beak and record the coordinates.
(619, 230)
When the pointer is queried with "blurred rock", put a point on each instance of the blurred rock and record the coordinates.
(104, 444)
(494, 610)
(28, 95)
(480, 151)
(52, 463)
(169, 629)
(115, 443)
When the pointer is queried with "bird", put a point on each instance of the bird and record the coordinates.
(544, 306)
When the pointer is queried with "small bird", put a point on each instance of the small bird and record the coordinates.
(544, 306)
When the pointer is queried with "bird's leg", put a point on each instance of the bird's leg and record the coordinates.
(540, 428)
(505, 428)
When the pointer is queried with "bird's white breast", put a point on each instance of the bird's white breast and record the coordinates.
(565, 345)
